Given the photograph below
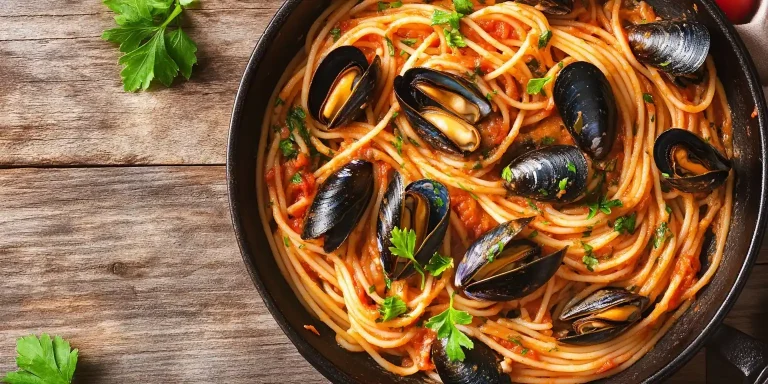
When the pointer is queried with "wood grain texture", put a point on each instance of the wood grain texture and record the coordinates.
(62, 101)
(138, 267)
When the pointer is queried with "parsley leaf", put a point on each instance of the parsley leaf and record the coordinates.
(151, 50)
(648, 98)
(390, 47)
(409, 42)
(661, 235)
(603, 205)
(445, 326)
(404, 242)
(296, 178)
(454, 38)
(571, 167)
(463, 6)
(391, 308)
(625, 224)
(452, 19)
(535, 86)
(398, 144)
(589, 259)
(286, 146)
(546, 140)
(563, 184)
(544, 38)
(336, 33)
(43, 361)
(506, 174)
(438, 264)
(396, 4)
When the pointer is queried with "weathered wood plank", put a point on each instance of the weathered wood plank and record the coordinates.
(139, 268)
(63, 104)
(76, 7)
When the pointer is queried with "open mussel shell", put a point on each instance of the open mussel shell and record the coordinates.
(443, 108)
(339, 204)
(342, 86)
(498, 268)
(422, 206)
(689, 163)
(552, 7)
(538, 174)
(602, 316)
(675, 47)
(480, 365)
(586, 103)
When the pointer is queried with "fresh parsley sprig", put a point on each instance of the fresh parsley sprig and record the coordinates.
(589, 259)
(445, 326)
(438, 264)
(404, 242)
(603, 205)
(152, 51)
(43, 361)
(625, 224)
(391, 308)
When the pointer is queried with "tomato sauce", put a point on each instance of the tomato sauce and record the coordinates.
(422, 343)
(492, 131)
(686, 268)
(607, 366)
(475, 219)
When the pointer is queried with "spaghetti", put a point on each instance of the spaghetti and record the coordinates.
(503, 46)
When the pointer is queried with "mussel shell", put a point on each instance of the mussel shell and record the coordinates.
(537, 174)
(584, 98)
(552, 7)
(481, 365)
(390, 212)
(601, 300)
(413, 101)
(531, 273)
(678, 47)
(333, 65)
(595, 337)
(663, 150)
(339, 204)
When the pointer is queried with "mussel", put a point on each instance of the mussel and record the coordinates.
(552, 7)
(342, 86)
(339, 204)
(689, 163)
(443, 108)
(586, 103)
(540, 174)
(480, 365)
(498, 268)
(602, 316)
(422, 206)
(678, 48)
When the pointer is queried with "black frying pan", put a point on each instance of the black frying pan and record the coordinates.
(283, 39)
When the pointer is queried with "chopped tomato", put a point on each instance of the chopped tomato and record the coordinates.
(533, 309)
(607, 366)
(270, 176)
(422, 343)
(475, 219)
(312, 329)
(686, 268)
(496, 28)
(492, 131)
(346, 25)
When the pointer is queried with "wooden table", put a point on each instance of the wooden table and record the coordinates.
(115, 226)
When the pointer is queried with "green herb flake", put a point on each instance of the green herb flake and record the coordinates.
(546, 140)
(454, 38)
(279, 102)
(563, 184)
(287, 148)
(286, 242)
(398, 144)
(372, 288)
(544, 39)
(390, 47)
(535, 86)
(450, 18)
(506, 174)
(408, 42)
(438, 264)
(391, 308)
(463, 6)
(336, 34)
(625, 224)
(571, 167)
(296, 178)
(661, 235)
(533, 234)
(648, 98)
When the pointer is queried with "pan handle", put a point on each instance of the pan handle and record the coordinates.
(754, 34)
(743, 354)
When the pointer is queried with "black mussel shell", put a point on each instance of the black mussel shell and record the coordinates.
(424, 96)
(675, 47)
(339, 204)
(396, 200)
(538, 174)
(713, 166)
(586, 103)
(511, 269)
(330, 73)
(481, 365)
(552, 7)
(593, 319)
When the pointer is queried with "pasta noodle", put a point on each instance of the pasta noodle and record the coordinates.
(658, 259)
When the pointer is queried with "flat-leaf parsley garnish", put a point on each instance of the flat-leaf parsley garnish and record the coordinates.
(445, 326)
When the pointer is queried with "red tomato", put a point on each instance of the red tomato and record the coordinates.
(738, 11)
